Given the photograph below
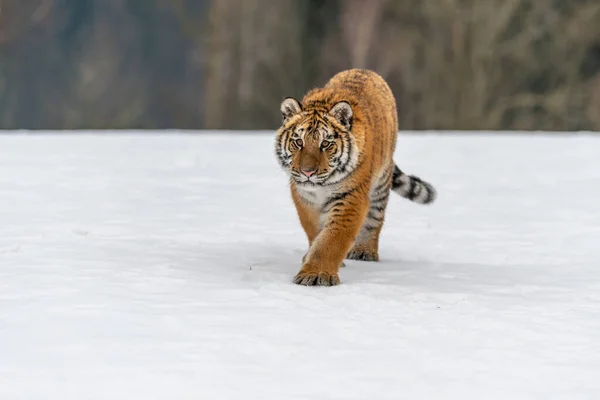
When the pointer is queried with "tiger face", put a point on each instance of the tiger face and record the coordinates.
(316, 146)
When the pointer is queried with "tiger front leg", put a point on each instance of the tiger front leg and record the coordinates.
(308, 215)
(326, 254)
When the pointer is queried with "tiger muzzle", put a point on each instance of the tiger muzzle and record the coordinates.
(309, 164)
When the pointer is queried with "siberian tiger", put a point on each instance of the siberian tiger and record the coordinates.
(337, 146)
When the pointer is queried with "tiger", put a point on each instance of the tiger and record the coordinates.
(336, 147)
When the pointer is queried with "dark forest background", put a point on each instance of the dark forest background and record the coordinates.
(226, 64)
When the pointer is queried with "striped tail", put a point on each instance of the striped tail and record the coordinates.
(412, 188)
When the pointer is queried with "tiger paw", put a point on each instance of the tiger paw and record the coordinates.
(362, 255)
(316, 279)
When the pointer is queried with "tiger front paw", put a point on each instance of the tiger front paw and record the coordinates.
(316, 278)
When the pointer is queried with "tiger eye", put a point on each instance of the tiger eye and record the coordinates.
(298, 142)
(325, 144)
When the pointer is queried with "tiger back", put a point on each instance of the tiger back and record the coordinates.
(337, 145)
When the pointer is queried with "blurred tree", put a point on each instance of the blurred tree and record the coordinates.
(34, 61)
(456, 64)
(107, 87)
(253, 56)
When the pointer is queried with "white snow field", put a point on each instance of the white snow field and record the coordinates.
(159, 266)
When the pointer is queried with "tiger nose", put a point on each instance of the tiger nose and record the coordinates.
(308, 172)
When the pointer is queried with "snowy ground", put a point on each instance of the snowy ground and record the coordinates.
(160, 267)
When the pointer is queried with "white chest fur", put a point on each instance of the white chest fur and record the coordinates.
(316, 195)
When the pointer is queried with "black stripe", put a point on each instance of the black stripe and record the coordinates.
(396, 182)
(429, 190)
(377, 208)
(286, 137)
(336, 198)
(349, 158)
(344, 212)
(381, 189)
(343, 148)
(339, 196)
(379, 205)
(385, 179)
(375, 218)
(380, 198)
(411, 191)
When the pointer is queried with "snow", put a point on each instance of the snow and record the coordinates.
(160, 266)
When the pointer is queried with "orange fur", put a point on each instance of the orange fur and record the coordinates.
(338, 144)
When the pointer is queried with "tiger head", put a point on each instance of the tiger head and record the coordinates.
(315, 144)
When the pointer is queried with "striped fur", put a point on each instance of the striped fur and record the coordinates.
(412, 187)
(337, 146)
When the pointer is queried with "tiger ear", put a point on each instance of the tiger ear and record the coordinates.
(289, 107)
(343, 113)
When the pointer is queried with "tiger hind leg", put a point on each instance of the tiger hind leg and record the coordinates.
(366, 245)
